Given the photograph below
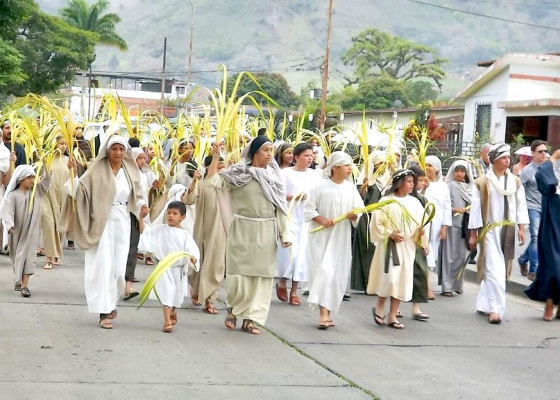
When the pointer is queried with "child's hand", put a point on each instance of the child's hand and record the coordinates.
(193, 260)
(72, 163)
(323, 221)
(352, 216)
(215, 149)
(197, 175)
(144, 210)
(13, 157)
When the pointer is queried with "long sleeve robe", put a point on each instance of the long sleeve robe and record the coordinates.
(330, 250)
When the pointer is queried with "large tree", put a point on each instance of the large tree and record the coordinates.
(81, 15)
(274, 85)
(375, 54)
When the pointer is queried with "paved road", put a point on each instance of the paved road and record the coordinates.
(51, 348)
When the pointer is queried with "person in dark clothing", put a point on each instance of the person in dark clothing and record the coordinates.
(7, 139)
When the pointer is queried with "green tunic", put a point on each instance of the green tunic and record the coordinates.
(420, 280)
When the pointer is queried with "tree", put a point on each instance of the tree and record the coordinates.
(376, 54)
(52, 52)
(421, 91)
(274, 85)
(83, 16)
(373, 94)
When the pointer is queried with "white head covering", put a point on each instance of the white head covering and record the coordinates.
(20, 173)
(463, 189)
(175, 193)
(381, 179)
(436, 163)
(336, 159)
(136, 151)
(116, 139)
(498, 151)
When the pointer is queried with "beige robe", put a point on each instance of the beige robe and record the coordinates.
(213, 219)
(252, 240)
(398, 281)
(51, 207)
(24, 240)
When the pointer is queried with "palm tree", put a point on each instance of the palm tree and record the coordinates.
(80, 14)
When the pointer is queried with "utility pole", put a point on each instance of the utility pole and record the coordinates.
(326, 72)
(163, 75)
(189, 63)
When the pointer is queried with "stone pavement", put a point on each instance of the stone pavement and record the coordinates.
(51, 348)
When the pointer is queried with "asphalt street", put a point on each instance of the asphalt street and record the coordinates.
(51, 348)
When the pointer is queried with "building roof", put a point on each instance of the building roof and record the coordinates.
(494, 67)
(405, 110)
(541, 103)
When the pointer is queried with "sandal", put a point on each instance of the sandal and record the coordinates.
(130, 294)
(396, 325)
(421, 317)
(70, 246)
(25, 292)
(249, 327)
(282, 294)
(331, 323)
(48, 265)
(210, 310)
(194, 300)
(173, 318)
(323, 325)
(379, 320)
(17, 287)
(447, 294)
(168, 328)
(106, 324)
(231, 320)
(493, 318)
(399, 314)
(113, 314)
(57, 263)
(294, 300)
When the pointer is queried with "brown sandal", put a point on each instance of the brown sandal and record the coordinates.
(230, 320)
(168, 328)
(282, 294)
(249, 327)
(106, 324)
(294, 300)
(210, 310)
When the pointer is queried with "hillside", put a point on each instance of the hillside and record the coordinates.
(289, 36)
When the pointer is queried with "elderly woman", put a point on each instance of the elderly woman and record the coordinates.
(395, 231)
(259, 221)
(104, 198)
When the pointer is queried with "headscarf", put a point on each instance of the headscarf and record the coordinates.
(380, 180)
(336, 159)
(463, 189)
(280, 148)
(498, 151)
(175, 193)
(397, 180)
(436, 163)
(269, 177)
(20, 173)
(136, 151)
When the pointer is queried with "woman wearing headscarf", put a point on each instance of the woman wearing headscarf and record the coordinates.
(260, 221)
(22, 222)
(51, 205)
(330, 250)
(396, 232)
(454, 251)
(546, 286)
(437, 193)
(373, 182)
(104, 197)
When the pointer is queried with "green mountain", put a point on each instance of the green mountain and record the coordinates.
(289, 36)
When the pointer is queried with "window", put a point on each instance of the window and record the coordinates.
(483, 119)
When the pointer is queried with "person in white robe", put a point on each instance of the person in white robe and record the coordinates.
(99, 220)
(165, 239)
(22, 221)
(497, 196)
(330, 249)
(396, 232)
(7, 158)
(437, 193)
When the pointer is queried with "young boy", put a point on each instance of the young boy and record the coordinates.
(22, 225)
(166, 239)
(330, 250)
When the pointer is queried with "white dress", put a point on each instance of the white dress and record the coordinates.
(105, 263)
(438, 193)
(330, 250)
(171, 287)
(292, 262)
(492, 295)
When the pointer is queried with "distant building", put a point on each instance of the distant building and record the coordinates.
(517, 94)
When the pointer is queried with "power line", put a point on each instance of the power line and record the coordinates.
(485, 16)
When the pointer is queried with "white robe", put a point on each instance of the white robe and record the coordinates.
(172, 286)
(398, 281)
(492, 295)
(438, 193)
(292, 261)
(105, 263)
(330, 250)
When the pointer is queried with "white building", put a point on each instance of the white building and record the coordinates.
(517, 94)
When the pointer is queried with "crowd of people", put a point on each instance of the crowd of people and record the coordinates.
(284, 213)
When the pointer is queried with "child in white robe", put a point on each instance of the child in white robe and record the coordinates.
(22, 223)
(330, 250)
(163, 240)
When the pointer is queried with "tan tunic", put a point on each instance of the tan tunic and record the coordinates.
(51, 207)
(25, 238)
